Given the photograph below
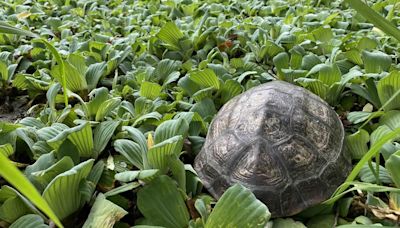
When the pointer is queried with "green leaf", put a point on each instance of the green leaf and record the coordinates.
(98, 96)
(94, 73)
(75, 69)
(391, 119)
(122, 189)
(171, 35)
(60, 61)
(12, 206)
(205, 78)
(6, 149)
(358, 117)
(376, 62)
(131, 151)
(375, 18)
(102, 134)
(357, 144)
(238, 207)
(165, 208)
(129, 176)
(357, 168)
(316, 86)
(329, 74)
(45, 176)
(137, 136)
(366, 174)
(104, 213)
(178, 172)
(3, 71)
(9, 29)
(29, 221)
(107, 107)
(159, 155)
(281, 61)
(230, 89)
(392, 166)
(205, 108)
(171, 128)
(150, 90)
(388, 87)
(81, 136)
(203, 94)
(63, 192)
(9, 172)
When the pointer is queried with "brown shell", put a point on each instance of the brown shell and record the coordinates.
(281, 141)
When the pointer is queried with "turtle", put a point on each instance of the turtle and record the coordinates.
(279, 140)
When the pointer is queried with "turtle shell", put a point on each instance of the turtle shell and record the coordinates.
(279, 140)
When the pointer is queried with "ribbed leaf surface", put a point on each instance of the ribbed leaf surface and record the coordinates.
(29, 221)
(102, 134)
(10, 173)
(171, 35)
(238, 207)
(131, 151)
(205, 78)
(81, 136)
(150, 90)
(388, 90)
(104, 213)
(161, 203)
(230, 89)
(63, 193)
(171, 128)
(160, 154)
(357, 143)
(107, 107)
(6, 149)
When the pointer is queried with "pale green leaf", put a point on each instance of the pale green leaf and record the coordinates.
(131, 151)
(171, 35)
(104, 213)
(205, 78)
(160, 154)
(29, 221)
(238, 207)
(357, 143)
(150, 90)
(387, 87)
(94, 73)
(63, 192)
(45, 176)
(107, 107)
(102, 135)
(171, 128)
(80, 136)
(129, 176)
(376, 62)
(230, 89)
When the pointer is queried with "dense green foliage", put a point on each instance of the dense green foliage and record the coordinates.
(105, 104)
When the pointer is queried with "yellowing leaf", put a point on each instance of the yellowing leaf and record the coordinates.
(23, 15)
